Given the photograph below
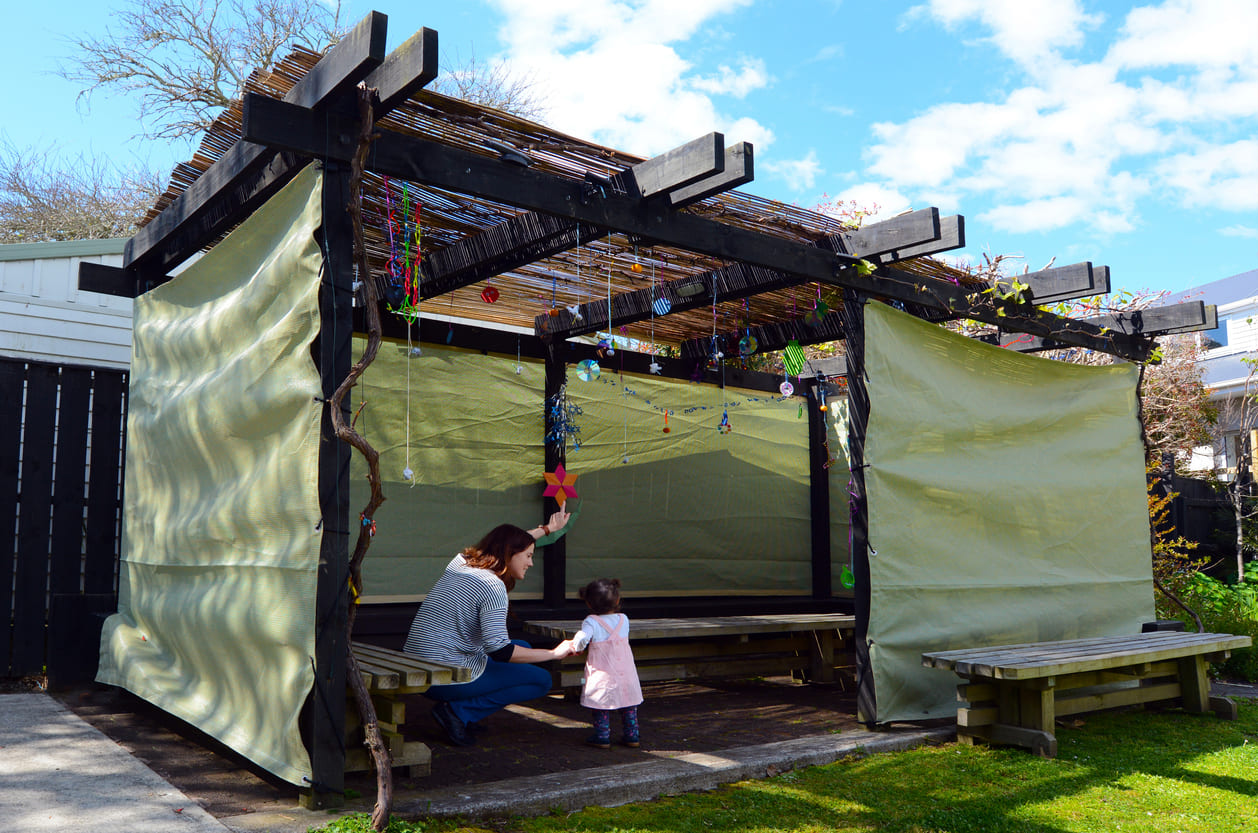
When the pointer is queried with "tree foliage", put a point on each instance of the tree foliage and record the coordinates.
(45, 197)
(186, 60)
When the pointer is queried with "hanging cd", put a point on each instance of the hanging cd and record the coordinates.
(786, 388)
(747, 345)
(588, 370)
(662, 306)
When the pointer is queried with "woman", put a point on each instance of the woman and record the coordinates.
(463, 622)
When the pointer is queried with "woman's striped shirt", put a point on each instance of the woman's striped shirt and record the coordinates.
(462, 620)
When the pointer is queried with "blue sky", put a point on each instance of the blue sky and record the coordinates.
(1118, 133)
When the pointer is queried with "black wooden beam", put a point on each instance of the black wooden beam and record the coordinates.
(913, 228)
(734, 282)
(769, 337)
(692, 162)
(739, 170)
(818, 492)
(248, 174)
(951, 236)
(405, 71)
(1155, 321)
(432, 163)
(1064, 283)
(107, 280)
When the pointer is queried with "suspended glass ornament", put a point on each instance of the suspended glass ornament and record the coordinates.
(588, 370)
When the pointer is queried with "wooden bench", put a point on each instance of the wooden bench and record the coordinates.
(721, 646)
(1015, 693)
(390, 676)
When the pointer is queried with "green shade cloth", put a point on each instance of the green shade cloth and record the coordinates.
(1007, 504)
(692, 511)
(216, 608)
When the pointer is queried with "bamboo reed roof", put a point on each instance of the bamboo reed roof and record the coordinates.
(583, 274)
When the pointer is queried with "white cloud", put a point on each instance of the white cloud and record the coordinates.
(1026, 31)
(1240, 231)
(1198, 33)
(799, 174)
(1216, 176)
(749, 76)
(610, 70)
(1089, 142)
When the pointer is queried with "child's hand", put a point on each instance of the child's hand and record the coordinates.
(564, 649)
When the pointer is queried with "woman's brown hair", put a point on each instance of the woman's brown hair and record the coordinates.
(494, 551)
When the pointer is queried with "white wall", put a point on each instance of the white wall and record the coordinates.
(45, 317)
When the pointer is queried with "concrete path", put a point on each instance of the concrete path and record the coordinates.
(59, 774)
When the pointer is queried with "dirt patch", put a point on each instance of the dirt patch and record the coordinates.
(543, 736)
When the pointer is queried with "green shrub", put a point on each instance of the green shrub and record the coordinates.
(361, 823)
(1230, 608)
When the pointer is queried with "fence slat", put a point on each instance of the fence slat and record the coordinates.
(105, 483)
(12, 380)
(69, 480)
(35, 494)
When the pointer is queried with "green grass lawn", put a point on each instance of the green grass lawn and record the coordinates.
(1128, 771)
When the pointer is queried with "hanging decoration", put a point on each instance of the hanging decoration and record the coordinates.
(817, 314)
(661, 306)
(666, 428)
(786, 388)
(489, 294)
(562, 415)
(560, 485)
(588, 370)
(747, 345)
(793, 358)
(405, 237)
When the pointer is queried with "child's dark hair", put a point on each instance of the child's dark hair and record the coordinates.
(602, 595)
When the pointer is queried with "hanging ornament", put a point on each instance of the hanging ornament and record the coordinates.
(793, 358)
(605, 348)
(655, 367)
(636, 268)
(786, 388)
(666, 428)
(575, 312)
(560, 485)
(588, 370)
(747, 345)
(553, 312)
(489, 294)
(817, 314)
(407, 474)
(846, 578)
(662, 306)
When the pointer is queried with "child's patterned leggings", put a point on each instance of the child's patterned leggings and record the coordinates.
(628, 722)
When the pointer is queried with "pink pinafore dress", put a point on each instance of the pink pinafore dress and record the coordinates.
(611, 679)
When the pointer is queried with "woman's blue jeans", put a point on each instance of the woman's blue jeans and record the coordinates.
(502, 684)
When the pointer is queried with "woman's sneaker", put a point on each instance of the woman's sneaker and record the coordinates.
(455, 729)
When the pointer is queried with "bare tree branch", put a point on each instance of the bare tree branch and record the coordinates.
(186, 60)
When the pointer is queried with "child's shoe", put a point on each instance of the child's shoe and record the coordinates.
(601, 741)
(631, 741)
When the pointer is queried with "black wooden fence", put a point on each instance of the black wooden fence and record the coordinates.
(62, 432)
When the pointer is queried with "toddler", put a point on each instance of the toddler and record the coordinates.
(611, 679)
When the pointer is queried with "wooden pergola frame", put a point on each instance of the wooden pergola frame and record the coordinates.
(644, 202)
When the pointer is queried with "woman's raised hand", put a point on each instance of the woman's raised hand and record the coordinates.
(558, 521)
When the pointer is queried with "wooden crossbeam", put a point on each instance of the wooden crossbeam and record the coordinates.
(770, 337)
(951, 236)
(426, 162)
(913, 228)
(1155, 321)
(685, 165)
(108, 280)
(735, 282)
(531, 236)
(248, 174)
(432, 163)
(1064, 283)
(739, 170)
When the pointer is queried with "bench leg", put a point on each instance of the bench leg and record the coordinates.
(1194, 683)
(1223, 707)
(822, 656)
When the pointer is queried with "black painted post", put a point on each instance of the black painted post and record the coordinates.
(818, 490)
(858, 413)
(555, 559)
(325, 713)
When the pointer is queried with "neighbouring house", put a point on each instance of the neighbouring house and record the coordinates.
(45, 317)
(1225, 373)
